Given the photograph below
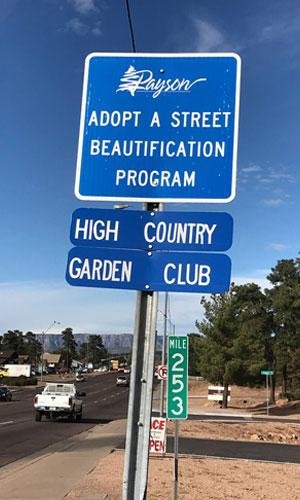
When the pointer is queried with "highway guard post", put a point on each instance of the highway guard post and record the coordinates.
(154, 128)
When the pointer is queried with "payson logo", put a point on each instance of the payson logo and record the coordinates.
(143, 81)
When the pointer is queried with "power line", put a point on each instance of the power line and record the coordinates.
(130, 26)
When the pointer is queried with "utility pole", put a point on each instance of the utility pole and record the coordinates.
(43, 344)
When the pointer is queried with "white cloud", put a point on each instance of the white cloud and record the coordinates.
(278, 246)
(251, 168)
(90, 24)
(209, 37)
(76, 26)
(275, 175)
(34, 305)
(258, 30)
(274, 202)
(255, 278)
(267, 174)
(84, 7)
(273, 182)
(96, 30)
(80, 28)
(282, 27)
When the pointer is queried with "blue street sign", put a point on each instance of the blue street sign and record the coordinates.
(159, 127)
(153, 271)
(146, 230)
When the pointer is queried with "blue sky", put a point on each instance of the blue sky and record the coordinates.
(44, 44)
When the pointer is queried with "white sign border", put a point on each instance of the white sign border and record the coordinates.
(165, 200)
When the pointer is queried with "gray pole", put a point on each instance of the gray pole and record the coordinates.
(267, 385)
(176, 432)
(140, 395)
(163, 356)
(43, 350)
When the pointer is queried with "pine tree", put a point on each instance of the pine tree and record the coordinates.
(68, 350)
(285, 299)
(130, 81)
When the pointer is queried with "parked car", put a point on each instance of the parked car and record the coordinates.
(5, 394)
(123, 380)
(79, 377)
(127, 369)
(101, 369)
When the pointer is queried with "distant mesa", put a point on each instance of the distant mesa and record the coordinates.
(114, 343)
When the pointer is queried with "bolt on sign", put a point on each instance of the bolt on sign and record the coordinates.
(177, 403)
(157, 442)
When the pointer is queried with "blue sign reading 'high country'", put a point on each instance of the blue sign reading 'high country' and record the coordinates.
(152, 271)
(188, 231)
(159, 127)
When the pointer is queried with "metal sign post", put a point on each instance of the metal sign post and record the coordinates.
(267, 373)
(176, 479)
(140, 397)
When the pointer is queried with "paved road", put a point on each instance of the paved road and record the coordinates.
(20, 435)
(237, 449)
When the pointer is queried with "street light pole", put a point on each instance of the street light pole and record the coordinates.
(43, 344)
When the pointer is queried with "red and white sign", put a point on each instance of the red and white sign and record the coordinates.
(162, 372)
(157, 443)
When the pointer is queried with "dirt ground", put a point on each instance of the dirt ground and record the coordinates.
(208, 479)
(211, 479)
(243, 400)
(266, 431)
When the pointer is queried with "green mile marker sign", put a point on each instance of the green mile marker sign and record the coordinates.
(178, 354)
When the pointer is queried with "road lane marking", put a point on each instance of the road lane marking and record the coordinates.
(8, 422)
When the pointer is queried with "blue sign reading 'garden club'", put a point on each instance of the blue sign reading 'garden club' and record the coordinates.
(152, 271)
(159, 127)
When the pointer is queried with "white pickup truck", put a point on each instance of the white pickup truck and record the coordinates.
(58, 400)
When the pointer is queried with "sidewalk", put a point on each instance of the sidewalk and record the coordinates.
(52, 473)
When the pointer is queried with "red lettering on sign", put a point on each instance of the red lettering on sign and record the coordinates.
(158, 424)
(157, 445)
(155, 424)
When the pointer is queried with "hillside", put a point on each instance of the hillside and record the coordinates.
(114, 343)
